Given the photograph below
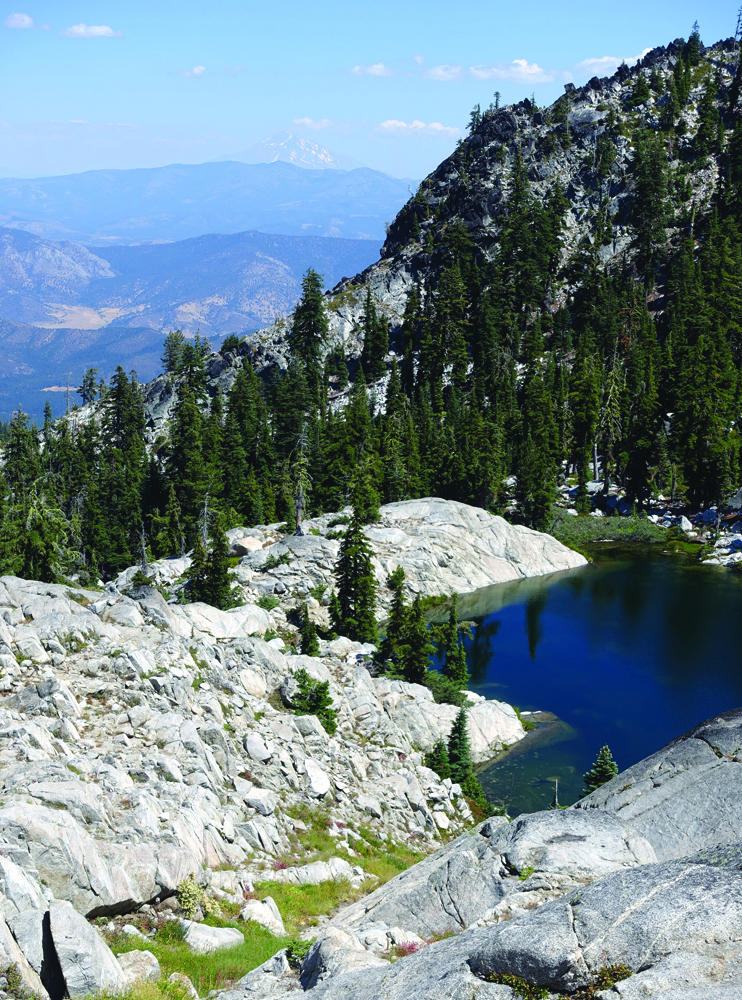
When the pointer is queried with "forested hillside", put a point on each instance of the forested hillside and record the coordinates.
(561, 296)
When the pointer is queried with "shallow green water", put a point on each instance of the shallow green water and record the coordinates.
(630, 651)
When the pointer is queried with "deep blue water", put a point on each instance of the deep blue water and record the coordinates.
(630, 651)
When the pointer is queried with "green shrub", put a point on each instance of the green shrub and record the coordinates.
(268, 602)
(314, 699)
(526, 723)
(445, 691)
(580, 531)
(190, 896)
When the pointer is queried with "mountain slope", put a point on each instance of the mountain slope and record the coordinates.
(181, 201)
(217, 283)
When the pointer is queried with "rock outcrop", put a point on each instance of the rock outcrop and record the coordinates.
(685, 797)
(444, 547)
(562, 899)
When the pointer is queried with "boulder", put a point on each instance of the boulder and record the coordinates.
(438, 972)
(443, 893)
(88, 965)
(202, 938)
(139, 966)
(265, 912)
(565, 842)
(318, 782)
(261, 799)
(666, 796)
(671, 923)
(23, 943)
(336, 952)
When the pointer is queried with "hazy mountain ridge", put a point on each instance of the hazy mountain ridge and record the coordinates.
(216, 283)
(180, 201)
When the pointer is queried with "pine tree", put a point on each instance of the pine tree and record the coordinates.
(375, 341)
(649, 213)
(459, 748)
(309, 330)
(172, 352)
(88, 390)
(355, 616)
(415, 648)
(308, 633)
(601, 772)
(455, 667)
(437, 760)
(218, 578)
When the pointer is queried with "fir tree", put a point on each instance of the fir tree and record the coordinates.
(313, 698)
(375, 341)
(601, 772)
(217, 589)
(308, 633)
(415, 648)
(437, 760)
(309, 330)
(455, 668)
(649, 214)
(172, 352)
(355, 613)
(459, 748)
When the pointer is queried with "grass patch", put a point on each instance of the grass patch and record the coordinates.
(215, 970)
(300, 905)
(583, 530)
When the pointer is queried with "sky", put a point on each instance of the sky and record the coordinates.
(86, 84)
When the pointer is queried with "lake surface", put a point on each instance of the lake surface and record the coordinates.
(630, 651)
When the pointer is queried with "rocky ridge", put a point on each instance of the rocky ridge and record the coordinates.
(444, 547)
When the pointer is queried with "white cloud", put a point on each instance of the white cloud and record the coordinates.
(443, 73)
(314, 125)
(231, 70)
(416, 127)
(517, 71)
(19, 21)
(419, 60)
(378, 69)
(603, 65)
(196, 71)
(90, 31)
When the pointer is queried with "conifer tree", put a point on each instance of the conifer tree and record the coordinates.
(308, 633)
(601, 772)
(649, 213)
(172, 352)
(375, 341)
(415, 648)
(459, 748)
(355, 613)
(455, 667)
(437, 760)
(309, 330)
(218, 577)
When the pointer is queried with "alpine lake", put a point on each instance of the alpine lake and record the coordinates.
(630, 651)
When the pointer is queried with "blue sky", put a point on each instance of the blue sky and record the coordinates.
(85, 85)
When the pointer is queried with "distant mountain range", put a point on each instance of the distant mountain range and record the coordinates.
(287, 147)
(120, 207)
(68, 307)
(217, 283)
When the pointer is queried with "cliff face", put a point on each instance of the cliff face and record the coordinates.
(583, 144)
